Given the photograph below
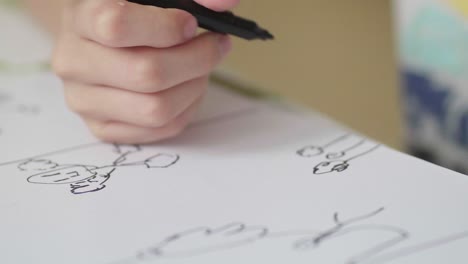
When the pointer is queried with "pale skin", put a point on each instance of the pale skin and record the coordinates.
(135, 74)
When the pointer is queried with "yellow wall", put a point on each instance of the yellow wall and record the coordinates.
(334, 56)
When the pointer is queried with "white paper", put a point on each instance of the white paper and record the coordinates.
(248, 182)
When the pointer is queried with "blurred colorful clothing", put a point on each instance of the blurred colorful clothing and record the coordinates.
(433, 40)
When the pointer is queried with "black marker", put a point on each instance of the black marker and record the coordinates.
(221, 22)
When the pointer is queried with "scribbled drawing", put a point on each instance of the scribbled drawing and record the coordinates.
(28, 109)
(387, 246)
(336, 155)
(383, 251)
(203, 240)
(354, 225)
(86, 178)
(8, 106)
(80, 178)
(90, 178)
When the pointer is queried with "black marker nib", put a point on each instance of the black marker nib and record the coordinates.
(263, 34)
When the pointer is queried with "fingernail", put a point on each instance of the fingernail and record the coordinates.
(225, 44)
(190, 28)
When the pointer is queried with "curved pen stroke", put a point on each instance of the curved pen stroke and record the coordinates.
(239, 234)
(317, 150)
(421, 247)
(124, 154)
(342, 153)
(339, 226)
(364, 153)
(400, 235)
(380, 252)
(65, 150)
(225, 237)
(203, 122)
(341, 138)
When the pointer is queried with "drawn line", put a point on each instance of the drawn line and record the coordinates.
(238, 231)
(339, 226)
(402, 235)
(359, 218)
(355, 145)
(204, 122)
(343, 137)
(51, 175)
(364, 153)
(65, 150)
(408, 251)
(61, 180)
(374, 254)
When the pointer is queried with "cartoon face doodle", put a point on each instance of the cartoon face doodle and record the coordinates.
(92, 184)
(335, 156)
(88, 178)
(64, 175)
(37, 165)
(330, 166)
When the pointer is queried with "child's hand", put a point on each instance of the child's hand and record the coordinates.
(135, 73)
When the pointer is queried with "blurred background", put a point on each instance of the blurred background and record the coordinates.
(394, 70)
(336, 57)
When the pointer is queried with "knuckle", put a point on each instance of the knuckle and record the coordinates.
(212, 55)
(99, 130)
(109, 22)
(175, 129)
(172, 25)
(155, 111)
(60, 64)
(147, 75)
(74, 104)
(177, 25)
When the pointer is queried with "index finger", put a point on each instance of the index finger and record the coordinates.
(118, 23)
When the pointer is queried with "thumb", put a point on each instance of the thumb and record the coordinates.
(218, 5)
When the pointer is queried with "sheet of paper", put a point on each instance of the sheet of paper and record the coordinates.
(248, 182)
